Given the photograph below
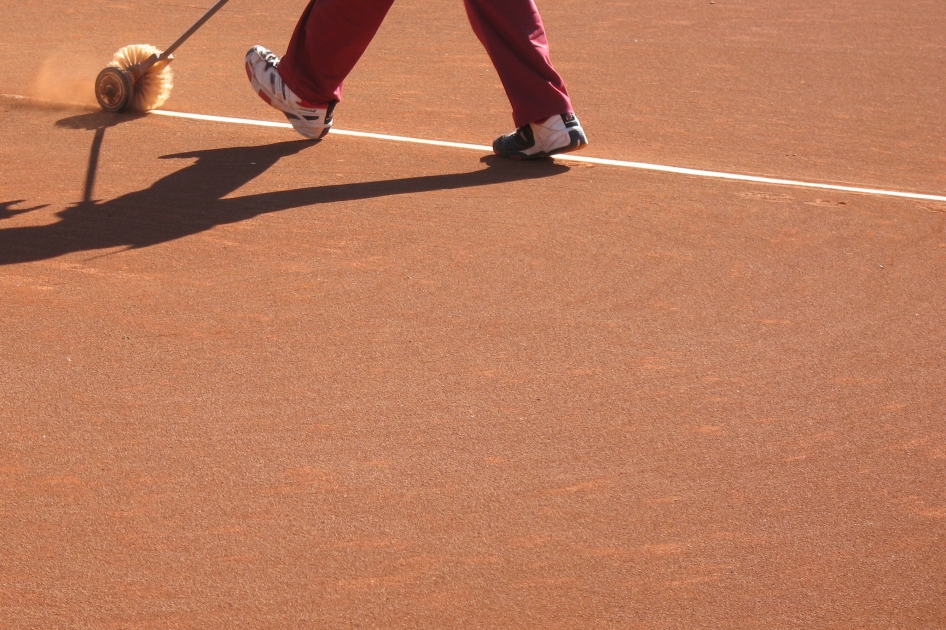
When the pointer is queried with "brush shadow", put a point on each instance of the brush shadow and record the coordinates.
(98, 120)
(191, 200)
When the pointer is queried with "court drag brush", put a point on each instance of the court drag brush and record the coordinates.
(139, 76)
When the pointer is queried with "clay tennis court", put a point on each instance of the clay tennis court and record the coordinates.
(248, 381)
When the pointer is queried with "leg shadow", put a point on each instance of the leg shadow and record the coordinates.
(7, 210)
(191, 200)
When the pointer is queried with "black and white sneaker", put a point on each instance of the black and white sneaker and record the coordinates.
(559, 134)
(310, 119)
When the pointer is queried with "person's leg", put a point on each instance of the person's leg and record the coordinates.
(329, 39)
(306, 83)
(514, 37)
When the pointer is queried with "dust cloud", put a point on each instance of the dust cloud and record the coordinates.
(67, 76)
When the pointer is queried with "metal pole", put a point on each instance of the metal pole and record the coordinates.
(183, 38)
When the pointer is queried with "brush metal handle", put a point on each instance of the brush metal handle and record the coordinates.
(140, 69)
(183, 38)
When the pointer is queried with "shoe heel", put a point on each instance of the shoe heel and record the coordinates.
(577, 141)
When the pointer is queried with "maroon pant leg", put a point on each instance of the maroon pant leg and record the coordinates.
(332, 35)
(329, 39)
(514, 37)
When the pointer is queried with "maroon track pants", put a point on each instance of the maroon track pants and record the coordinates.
(332, 35)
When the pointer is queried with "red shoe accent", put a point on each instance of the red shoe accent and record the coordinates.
(266, 98)
(309, 105)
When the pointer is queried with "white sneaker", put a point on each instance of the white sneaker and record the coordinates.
(559, 134)
(311, 120)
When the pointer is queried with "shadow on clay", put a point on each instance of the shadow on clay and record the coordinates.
(97, 122)
(191, 200)
(7, 210)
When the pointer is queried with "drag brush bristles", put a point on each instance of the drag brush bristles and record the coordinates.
(155, 86)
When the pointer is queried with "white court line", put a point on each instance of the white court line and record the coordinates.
(334, 132)
(578, 158)
(567, 157)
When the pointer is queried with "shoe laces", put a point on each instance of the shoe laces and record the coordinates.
(271, 59)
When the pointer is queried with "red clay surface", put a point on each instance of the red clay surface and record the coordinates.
(252, 382)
